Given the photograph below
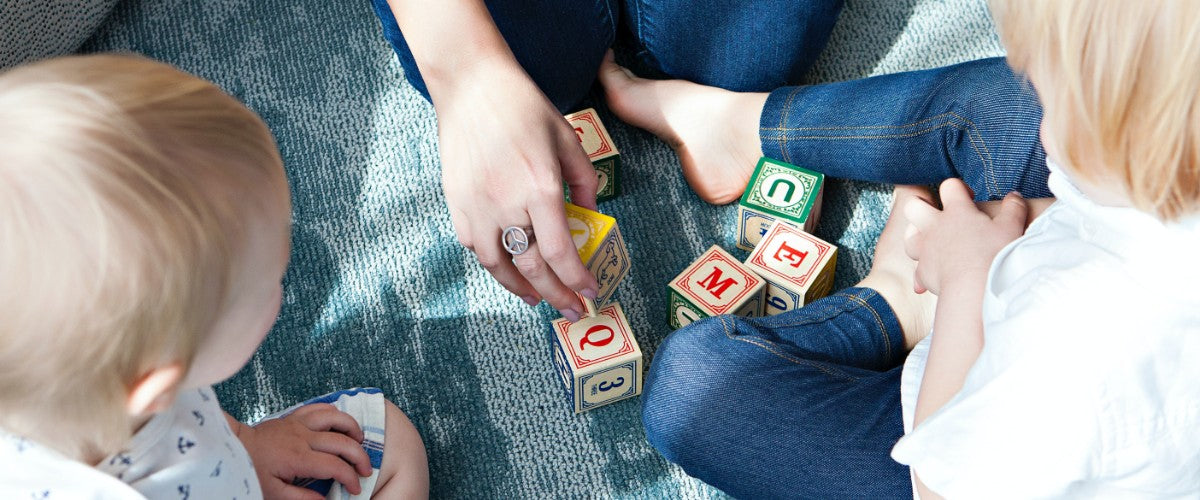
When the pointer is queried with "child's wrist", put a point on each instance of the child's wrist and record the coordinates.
(965, 282)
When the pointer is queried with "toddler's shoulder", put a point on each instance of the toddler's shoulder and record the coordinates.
(33, 471)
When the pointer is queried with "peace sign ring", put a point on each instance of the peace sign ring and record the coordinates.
(516, 239)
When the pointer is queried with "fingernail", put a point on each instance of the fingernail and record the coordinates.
(529, 299)
(570, 314)
(589, 293)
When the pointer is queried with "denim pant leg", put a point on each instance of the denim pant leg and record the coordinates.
(974, 121)
(560, 43)
(741, 45)
(805, 404)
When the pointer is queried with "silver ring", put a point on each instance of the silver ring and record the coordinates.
(517, 239)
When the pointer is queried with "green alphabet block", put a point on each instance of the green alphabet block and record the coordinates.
(777, 191)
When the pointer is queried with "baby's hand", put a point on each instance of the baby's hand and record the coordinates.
(957, 244)
(316, 441)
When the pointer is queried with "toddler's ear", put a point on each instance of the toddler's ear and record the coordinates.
(155, 391)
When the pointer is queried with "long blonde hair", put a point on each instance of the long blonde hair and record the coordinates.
(1120, 81)
(124, 188)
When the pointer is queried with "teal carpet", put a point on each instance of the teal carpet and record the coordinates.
(379, 293)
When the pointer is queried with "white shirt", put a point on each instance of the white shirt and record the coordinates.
(1088, 384)
(186, 452)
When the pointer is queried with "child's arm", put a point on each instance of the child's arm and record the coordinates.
(954, 248)
(316, 441)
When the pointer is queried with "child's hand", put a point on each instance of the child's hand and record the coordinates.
(957, 244)
(316, 441)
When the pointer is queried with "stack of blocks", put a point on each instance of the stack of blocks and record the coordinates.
(787, 267)
(600, 150)
(597, 357)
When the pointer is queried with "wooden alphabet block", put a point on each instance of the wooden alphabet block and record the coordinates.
(601, 248)
(714, 284)
(798, 267)
(597, 358)
(777, 190)
(600, 150)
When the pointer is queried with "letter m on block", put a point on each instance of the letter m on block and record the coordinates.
(714, 284)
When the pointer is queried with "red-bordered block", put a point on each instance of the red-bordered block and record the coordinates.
(591, 134)
(600, 149)
(598, 358)
(714, 284)
(797, 266)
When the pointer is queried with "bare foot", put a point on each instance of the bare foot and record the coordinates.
(892, 271)
(714, 131)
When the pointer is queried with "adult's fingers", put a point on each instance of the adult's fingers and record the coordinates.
(343, 446)
(579, 174)
(492, 256)
(533, 266)
(532, 263)
(462, 228)
(557, 246)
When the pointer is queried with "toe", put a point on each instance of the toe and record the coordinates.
(620, 91)
(613, 77)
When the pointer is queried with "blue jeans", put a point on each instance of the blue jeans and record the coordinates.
(975, 121)
(760, 45)
(805, 404)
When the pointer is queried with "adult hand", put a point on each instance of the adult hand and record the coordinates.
(316, 441)
(958, 243)
(505, 153)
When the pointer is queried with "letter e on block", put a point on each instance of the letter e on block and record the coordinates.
(797, 266)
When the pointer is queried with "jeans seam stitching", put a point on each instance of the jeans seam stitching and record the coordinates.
(787, 357)
(787, 109)
(985, 159)
(885, 136)
(857, 127)
(985, 156)
(644, 36)
(967, 126)
(831, 312)
(608, 13)
(887, 339)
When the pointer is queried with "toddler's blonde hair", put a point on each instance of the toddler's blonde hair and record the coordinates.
(1120, 82)
(125, 189)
